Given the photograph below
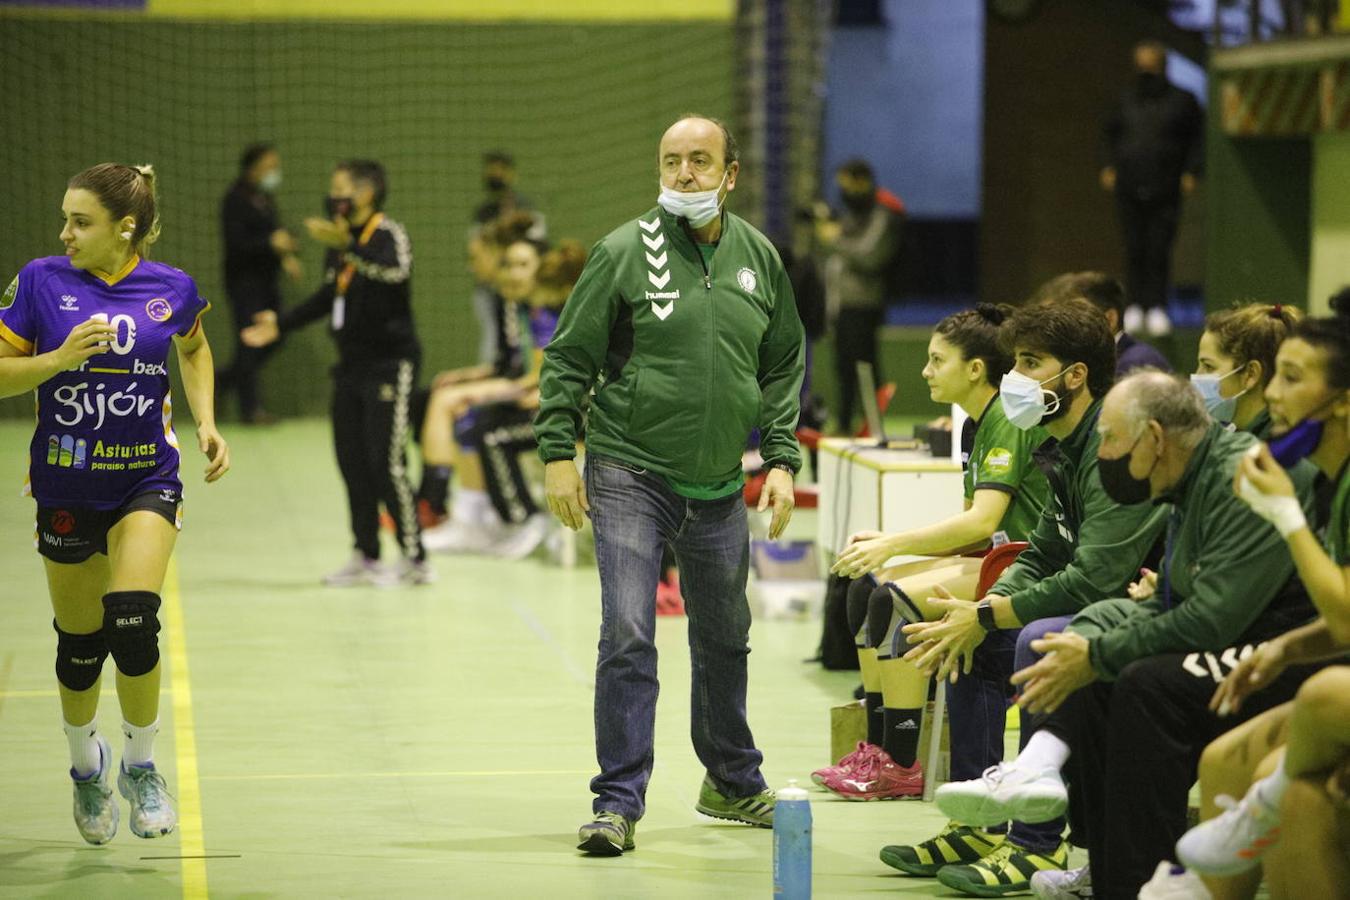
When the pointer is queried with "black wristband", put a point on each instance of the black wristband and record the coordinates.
(984, 611)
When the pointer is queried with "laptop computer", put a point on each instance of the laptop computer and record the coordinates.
(867, 388)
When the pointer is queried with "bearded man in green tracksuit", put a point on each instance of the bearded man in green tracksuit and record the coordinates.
(684, 327)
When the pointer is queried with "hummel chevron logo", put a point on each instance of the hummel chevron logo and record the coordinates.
(650, 227)
(655, 243)
(660, 281)
(657, 262)
(663, 311)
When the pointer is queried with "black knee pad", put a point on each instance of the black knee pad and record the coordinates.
(131, 629)
(79, 658)
(880, 605)
(858, 592)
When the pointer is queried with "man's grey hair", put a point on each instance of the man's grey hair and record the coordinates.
(1172, 401)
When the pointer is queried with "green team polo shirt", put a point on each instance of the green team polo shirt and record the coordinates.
(1337, 537)
(692, 489)
(1001, 460)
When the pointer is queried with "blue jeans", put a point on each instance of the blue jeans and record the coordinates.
(635, 514)
(1043, 837)
(978, 706)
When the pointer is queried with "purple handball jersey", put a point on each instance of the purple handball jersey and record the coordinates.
(104, 430)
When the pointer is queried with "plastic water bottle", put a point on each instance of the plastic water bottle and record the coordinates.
(792, 844)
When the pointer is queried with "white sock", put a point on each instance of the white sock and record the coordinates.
(1270, 790)
(83, 741)
(1043, 751)
(140, 743)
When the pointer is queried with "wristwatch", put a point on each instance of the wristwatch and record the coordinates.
(779, 464)
(984, 611)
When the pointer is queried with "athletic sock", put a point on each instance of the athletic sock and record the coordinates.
(901, 739)
(435, 487)
(1270, 790)
(83, 741)
(1043, 751)
(139, 749)
(876, 722)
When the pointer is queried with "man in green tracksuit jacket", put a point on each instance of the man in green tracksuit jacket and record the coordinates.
(1135, 678)
(684, 325)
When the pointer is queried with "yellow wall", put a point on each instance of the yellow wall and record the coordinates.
(1330, 263)
(491, 10)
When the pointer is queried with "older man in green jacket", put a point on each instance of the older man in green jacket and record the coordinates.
(685, 327)
(1128, 684)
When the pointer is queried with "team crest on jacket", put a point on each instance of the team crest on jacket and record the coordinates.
(747, 280)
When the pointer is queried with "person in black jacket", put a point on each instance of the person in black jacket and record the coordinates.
(1154, 149)
(257, 249)
(367, 298)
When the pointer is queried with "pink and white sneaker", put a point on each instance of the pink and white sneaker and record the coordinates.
(846, 765)
(878, 778)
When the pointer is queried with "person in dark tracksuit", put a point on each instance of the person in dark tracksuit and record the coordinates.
(367, 297)
(257, 250)
(1154, 149)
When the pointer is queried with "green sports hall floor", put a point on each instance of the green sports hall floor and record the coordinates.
(419, 742)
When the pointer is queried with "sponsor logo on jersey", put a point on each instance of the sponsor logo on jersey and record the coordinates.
(998, 461)
(70, 303)
(147, 368)
(66, 451)
(85, 401)
(63, 521)
(159, 309)
(747, 279)
(10, 293)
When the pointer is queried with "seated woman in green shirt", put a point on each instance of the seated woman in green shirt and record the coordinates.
(1005, 492)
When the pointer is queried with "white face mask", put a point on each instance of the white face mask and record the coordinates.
(270, 181)
(1024, 400)
(699, 207)
(1220, 407)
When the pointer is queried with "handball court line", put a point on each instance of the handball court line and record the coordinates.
(192, 846)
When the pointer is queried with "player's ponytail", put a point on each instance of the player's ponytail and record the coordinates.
(126, 191)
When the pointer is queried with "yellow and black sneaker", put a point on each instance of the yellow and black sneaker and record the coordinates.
(954, 844)
(1007, 870)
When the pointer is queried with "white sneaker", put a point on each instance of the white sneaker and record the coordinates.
(96, 811)
(357, 571)
(1053, 884)
(1233, 841)
(1158, 324)
(152, 812)
(524, 538)
(413, 572)
(1005, 793)
(1171, 882)
(455, 536)
(1134, 319)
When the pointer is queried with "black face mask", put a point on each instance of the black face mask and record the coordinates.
(1119, 484)
(494, 184)
(1150, 84)
(337, 206)
(857, 202)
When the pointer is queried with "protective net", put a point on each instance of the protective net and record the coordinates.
(580, 105)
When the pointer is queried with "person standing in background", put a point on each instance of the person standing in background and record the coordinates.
(257, 250)
(1154, 148)
(860, 250)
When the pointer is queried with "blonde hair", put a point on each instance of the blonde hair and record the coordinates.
(125, 191)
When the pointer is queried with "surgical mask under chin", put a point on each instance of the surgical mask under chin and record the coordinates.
(699, 207)
(1221, 408)
(1299, 442)
(270, 181)
(1024, 400)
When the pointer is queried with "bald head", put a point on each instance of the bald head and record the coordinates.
(1153, 396)
(706, 132)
